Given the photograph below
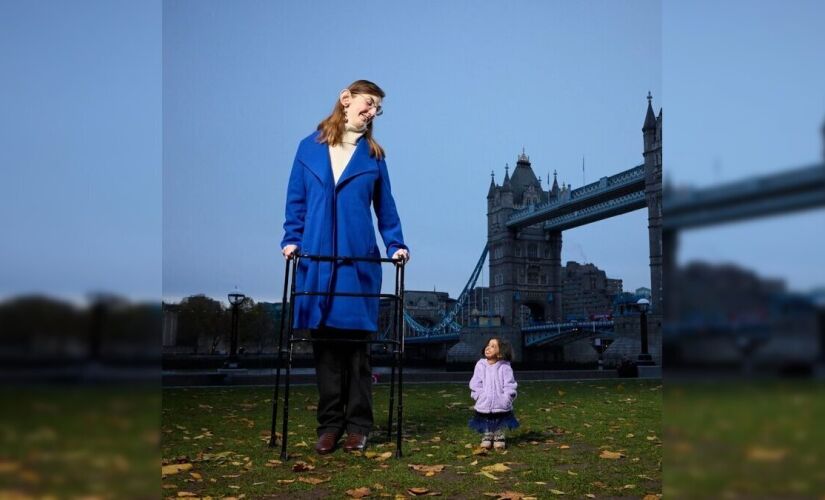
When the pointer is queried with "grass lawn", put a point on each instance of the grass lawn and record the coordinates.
(79, 442)
(578, 438)
(745, 439)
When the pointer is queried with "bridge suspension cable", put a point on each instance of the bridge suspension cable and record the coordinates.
(447, 324)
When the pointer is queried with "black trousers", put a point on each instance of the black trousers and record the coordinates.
(344, 378)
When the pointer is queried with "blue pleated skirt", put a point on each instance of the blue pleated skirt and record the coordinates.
(492, 422)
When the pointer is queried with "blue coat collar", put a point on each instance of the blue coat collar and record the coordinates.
(316, 157)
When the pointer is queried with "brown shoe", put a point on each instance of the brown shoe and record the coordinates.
(326, 443)
(355, 442)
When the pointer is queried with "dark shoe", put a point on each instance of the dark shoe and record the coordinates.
(355, 442)
(326, 443)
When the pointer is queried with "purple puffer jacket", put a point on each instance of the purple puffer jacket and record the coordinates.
(493, 387)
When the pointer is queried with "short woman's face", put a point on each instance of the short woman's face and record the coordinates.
(361, 109)
(491, 351)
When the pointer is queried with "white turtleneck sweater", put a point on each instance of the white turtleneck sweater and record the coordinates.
(340, 154)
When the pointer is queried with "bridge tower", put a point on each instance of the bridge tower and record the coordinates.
(525, 265)
(652, 132)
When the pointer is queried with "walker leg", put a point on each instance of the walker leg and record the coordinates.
(392, 402)
(285, 430)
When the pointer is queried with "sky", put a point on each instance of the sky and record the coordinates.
(746, 88)
(80, 148)
(469, 84)
(148, 144)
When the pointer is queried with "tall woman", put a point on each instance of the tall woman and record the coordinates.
(338, 173)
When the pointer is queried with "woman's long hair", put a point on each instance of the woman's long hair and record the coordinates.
(332, 127)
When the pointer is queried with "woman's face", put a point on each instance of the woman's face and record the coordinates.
(491, 351)
(361, 109)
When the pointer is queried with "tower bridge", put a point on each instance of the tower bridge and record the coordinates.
(524, 241)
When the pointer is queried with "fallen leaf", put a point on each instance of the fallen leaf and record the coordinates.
(495, 468)
(612, 455)
(564, 447)
(650, 497)
(168, 470)
(759, 454)
(286, 481)
(187, 494)
(487, 474)
(428, 470)
(359, 492)
(510, 495)
(557, 492)
(302, 466)
(313, 480)
(418, 491)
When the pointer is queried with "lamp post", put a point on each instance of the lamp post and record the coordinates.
(236, 299)
(644, 357)
(600, 345)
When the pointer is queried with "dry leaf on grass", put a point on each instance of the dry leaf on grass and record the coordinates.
(612, 455)
(760, 454)
(557, 492)
(286, 481)
(510, 495)
(168, 470)
(428, 470)
(359, 492)
(302, 466)
(487, 474)
(313, 480)
(495, 468)
(186, 494)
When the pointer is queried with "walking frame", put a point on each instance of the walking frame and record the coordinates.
(395, 340)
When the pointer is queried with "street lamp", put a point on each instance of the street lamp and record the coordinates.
(236, 299)
(644, 357)
(601, 345)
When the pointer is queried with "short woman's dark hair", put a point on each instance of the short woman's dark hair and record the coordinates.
(505, 351)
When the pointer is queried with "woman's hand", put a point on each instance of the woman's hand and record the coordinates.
(402, 255)
(289, 250)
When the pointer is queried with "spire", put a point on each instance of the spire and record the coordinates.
(523, 158)
(492, 190)
(650, 118)
(555, 188)
(506, 183)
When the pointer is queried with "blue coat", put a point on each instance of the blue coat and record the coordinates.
(325, 218)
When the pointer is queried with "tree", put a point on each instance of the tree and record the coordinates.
(202, 317)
